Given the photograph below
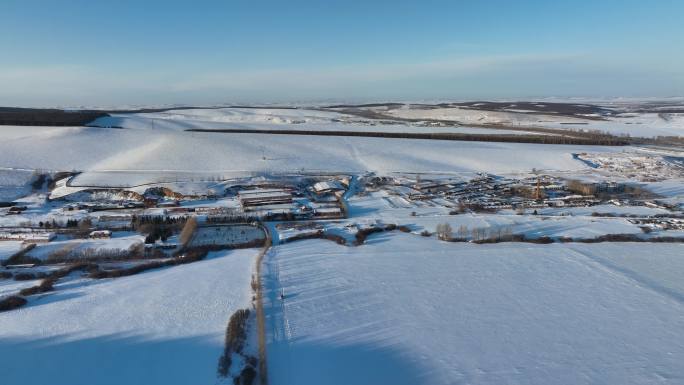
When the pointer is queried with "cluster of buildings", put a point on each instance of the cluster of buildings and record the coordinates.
(322, 199)
(641, 167)
(490, 192)
(27, 235)
(660, 223)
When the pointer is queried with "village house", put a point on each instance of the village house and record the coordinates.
(100, 234)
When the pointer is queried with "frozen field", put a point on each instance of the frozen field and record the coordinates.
(226, 235)
(637, 124)
(272, 119)
(14, 183)
(407, 310)
(7, 248)
(155, 147)
(161, 327)
(166, 150)
(74, 247)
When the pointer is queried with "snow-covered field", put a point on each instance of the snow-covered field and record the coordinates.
(637, 124)
(14, 183)
(272, 119)
(119, 242)
(156, 148)
(226, 235)
(402, 309)
(7, 248)
(165, 150)
(161, 327)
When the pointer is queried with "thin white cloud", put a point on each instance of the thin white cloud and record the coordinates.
(353, 75)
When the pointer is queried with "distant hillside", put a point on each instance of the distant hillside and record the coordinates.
(16, 116)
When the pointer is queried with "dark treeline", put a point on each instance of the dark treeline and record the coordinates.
(20, 256)
(46, 117)
(17, 116)
(158, 226)
(362, 234)
(236, 334)
(597, 239)
(233, 218)
(320, 234)
(47, 285)
(596, 139)
(247, 218)
(190, 256)
(138, 220)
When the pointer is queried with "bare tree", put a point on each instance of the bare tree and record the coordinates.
(462, 231)
(444, 231)
(187, 232)
(461, 206)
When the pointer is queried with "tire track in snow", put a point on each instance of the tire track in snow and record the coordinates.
(633, 276)
(281, 334)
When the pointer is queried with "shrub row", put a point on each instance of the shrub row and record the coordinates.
(232, 218)
(12, 302)
(244, 245)
(302, 236)
(511, 138)
(247, 376)
(630, 238)
(362, 234)
(236, 334)
(48, 283)
(598, 239)
(20, 257)
(189, 257)
(320, 234)
(340, 240)
(28, 276)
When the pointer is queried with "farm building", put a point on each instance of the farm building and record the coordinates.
(27, 236)
(100, 234)
(330, 186)
(262, 197)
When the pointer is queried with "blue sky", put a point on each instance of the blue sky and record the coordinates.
(84, 52)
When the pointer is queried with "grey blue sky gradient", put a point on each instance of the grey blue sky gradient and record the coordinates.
(112, 53)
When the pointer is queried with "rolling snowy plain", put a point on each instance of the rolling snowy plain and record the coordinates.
(634, 124)
(163, 149)
(399, 309)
